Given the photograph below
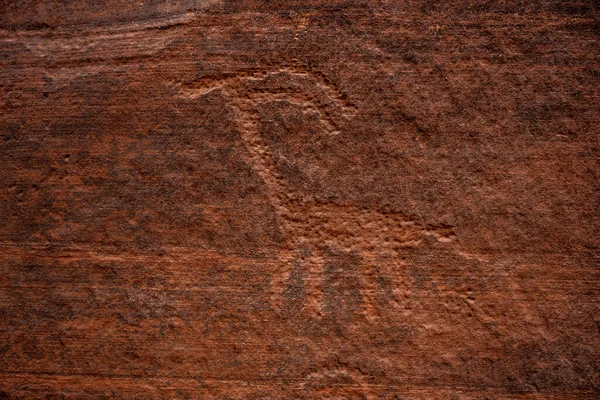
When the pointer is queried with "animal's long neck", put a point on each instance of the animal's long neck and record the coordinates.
(263, 161)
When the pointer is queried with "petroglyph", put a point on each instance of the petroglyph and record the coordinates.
(312, 230)
(338, 383)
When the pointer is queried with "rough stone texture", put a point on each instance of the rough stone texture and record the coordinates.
(299, 199)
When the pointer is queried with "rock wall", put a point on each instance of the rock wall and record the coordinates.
(291, 199)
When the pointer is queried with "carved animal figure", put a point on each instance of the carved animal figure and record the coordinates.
(312, 229)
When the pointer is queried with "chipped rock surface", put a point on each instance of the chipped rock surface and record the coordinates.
(341, 199)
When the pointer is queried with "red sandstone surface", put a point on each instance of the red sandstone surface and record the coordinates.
(299, 199)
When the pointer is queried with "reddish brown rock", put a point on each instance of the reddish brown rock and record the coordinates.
(286, 199)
